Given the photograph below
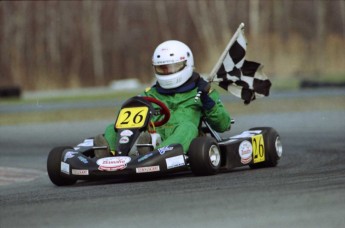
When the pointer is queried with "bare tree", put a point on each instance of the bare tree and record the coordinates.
(320, 35)
(53, 18)
(163, 20)
(222, 22)
(18, 43)
(280, 18)
(61, 44)
(5, 45)
(342, 15)
(254, 18)
(93, 10)
(199, 12)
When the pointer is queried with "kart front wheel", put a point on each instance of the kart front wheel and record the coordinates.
(54, 167)
(204, 156)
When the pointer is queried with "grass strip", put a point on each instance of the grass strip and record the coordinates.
(235, 108)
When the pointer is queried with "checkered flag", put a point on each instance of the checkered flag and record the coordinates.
(235, 74)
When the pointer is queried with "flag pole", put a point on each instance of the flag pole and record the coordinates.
(211, 76)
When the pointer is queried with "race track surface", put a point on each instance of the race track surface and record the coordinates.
(306, 189)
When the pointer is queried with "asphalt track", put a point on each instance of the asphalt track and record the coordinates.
(306, 189)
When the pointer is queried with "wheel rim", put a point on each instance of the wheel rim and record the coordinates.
(279, 147)
(214, 155)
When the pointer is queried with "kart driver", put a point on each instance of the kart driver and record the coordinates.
(187, 95)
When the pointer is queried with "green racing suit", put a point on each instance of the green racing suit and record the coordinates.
(185, 115)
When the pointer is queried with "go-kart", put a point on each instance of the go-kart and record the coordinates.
(208, 154)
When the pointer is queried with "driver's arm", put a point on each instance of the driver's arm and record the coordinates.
(218, 116)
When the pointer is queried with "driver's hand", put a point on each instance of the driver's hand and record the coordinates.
(202, 94)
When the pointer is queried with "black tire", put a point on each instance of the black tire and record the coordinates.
(273, 148)
(54, 167)
(199, 154)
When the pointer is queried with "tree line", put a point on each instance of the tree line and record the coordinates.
(68, 44)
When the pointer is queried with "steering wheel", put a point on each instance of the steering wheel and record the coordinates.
(163, 110)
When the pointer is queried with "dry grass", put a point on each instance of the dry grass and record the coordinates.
(55, 116)
(235, 108)
(288, 105)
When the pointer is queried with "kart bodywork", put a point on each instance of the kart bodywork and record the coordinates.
(208, 154)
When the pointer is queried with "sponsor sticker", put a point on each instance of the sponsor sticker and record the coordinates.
(132, 117)
(127, 133)
(87, 142)
(165, 62)
(82, 159)
(146, 156)
(148, 169)
(69, 154)
(113, 163)
(174, 162)
(258, 148)
(245, 151)
(247, 134)
(165, 149)
(82, 172)
(124, 140)
(64, 168)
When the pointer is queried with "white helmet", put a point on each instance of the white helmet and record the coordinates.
(173, 64)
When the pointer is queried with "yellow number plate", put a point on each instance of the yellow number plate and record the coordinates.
(132, 117)
(258, 148)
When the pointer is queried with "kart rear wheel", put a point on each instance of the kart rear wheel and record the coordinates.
(273, 148)
(54, 167)
(204, 156)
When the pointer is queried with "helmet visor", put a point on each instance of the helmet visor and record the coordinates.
(170, 68)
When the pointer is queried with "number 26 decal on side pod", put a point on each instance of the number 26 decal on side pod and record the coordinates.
(258, 148)
(133, 117)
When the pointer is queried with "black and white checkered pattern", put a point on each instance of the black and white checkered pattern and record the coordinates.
(242, 78)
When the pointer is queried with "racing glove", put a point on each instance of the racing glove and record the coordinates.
(203, 90)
